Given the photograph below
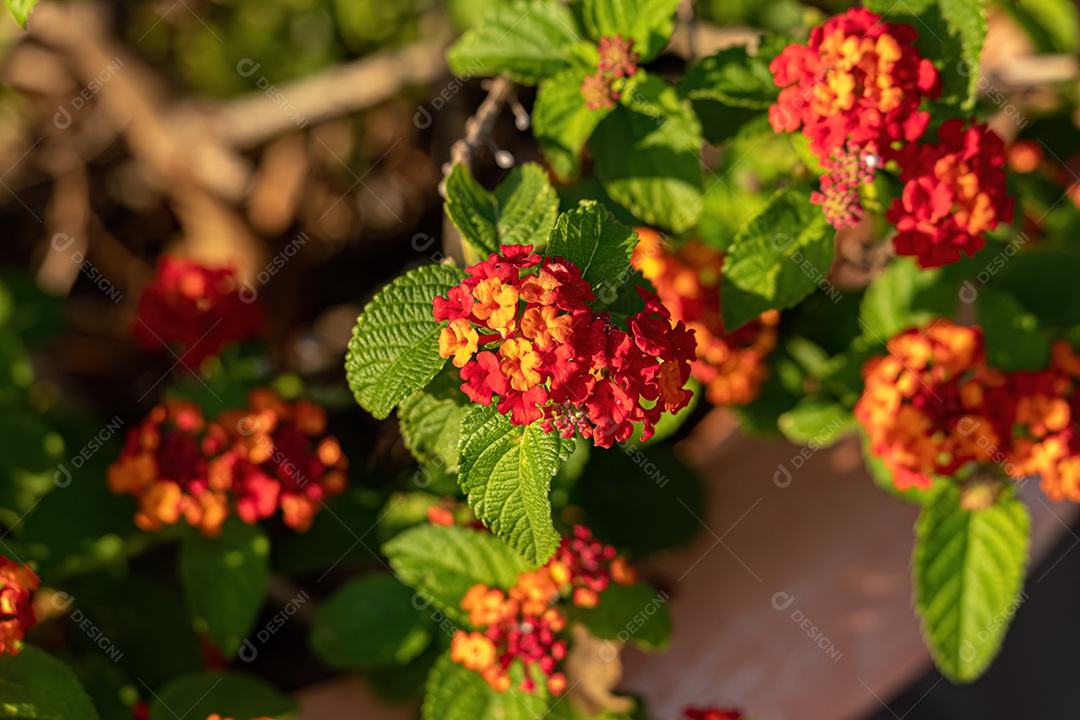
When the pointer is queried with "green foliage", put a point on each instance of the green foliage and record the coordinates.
(430, 421)
(394, 350)
(526, 41)
(968, 570)
(225, 693)
(457, 693)
(637, 614)
(1012, 335)
(21, 9)
(590, 237)
(649, 22)
(506, 472)
(897, 299)
(521, 211)
(562, 123)
(966, 25)
(225, 581)
(370, 622)
(776, 259)
(442, 563)
(36, 686)
(645, 154)
(816, 422)
(732, 77)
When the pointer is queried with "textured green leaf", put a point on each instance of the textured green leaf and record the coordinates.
(965, 21)
(228, 694)
(21, 9)
(590, 237)
(776, 259)
(645, 155)
(394, 349)
(430, 421)
(225, 580)
(892, 301)
(526, 41)
(732, 77)
(649, 22)
(521, 211)
(456, 693)
(370, 622)
(442, 563)
(968, 570)
(562, 124)
(36, 686)
(506, 471)
(636, 614)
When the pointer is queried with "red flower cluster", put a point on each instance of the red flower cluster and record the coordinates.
(730, 365)
(933, 405)
(954, 192)
(617, 61)
(16, 609)
(859, 80)
(551, 358)
(692, 713)
(525, 622)
(273, 455)
(200, 309)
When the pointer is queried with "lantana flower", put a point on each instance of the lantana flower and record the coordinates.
(199, 309)
(17, 614)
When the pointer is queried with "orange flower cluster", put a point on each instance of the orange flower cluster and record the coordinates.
(933, 406)
(16, 609)
(730, 365)
(252, 462)
(525, 622)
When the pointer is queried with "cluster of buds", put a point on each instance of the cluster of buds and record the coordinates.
(549, 357)
(731, 366)
(525, 623)
(617, 62)
(16, 608)
(933, 406)
(252, 462)
(855, 91)
(197, 308)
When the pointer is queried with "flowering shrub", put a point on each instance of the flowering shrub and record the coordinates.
(830, 241)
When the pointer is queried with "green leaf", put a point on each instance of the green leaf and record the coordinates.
(965, 21)
(506, 471)
(816, 422)
(521, 211)
(968, 569)
(442, 563)
(1014, 340)
(636, 614)
(894, 300)
(370, 622)
(35, 685)
(590, 237)
(526, 41)
(649, 22)
(645, 155)
(225, 580)
(732, 77)
(456, 693)
(776, 259)
(21, 9)
(430, 421)
(228, 694)
(394, 349)
(562, 124)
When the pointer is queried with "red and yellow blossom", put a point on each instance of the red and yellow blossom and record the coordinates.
(521, 330)
(730, 365)
(17, 615)
(198, 308)
(525, 622)
(954, 193)
(859, 80)
(933, 406)
(252, 463)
